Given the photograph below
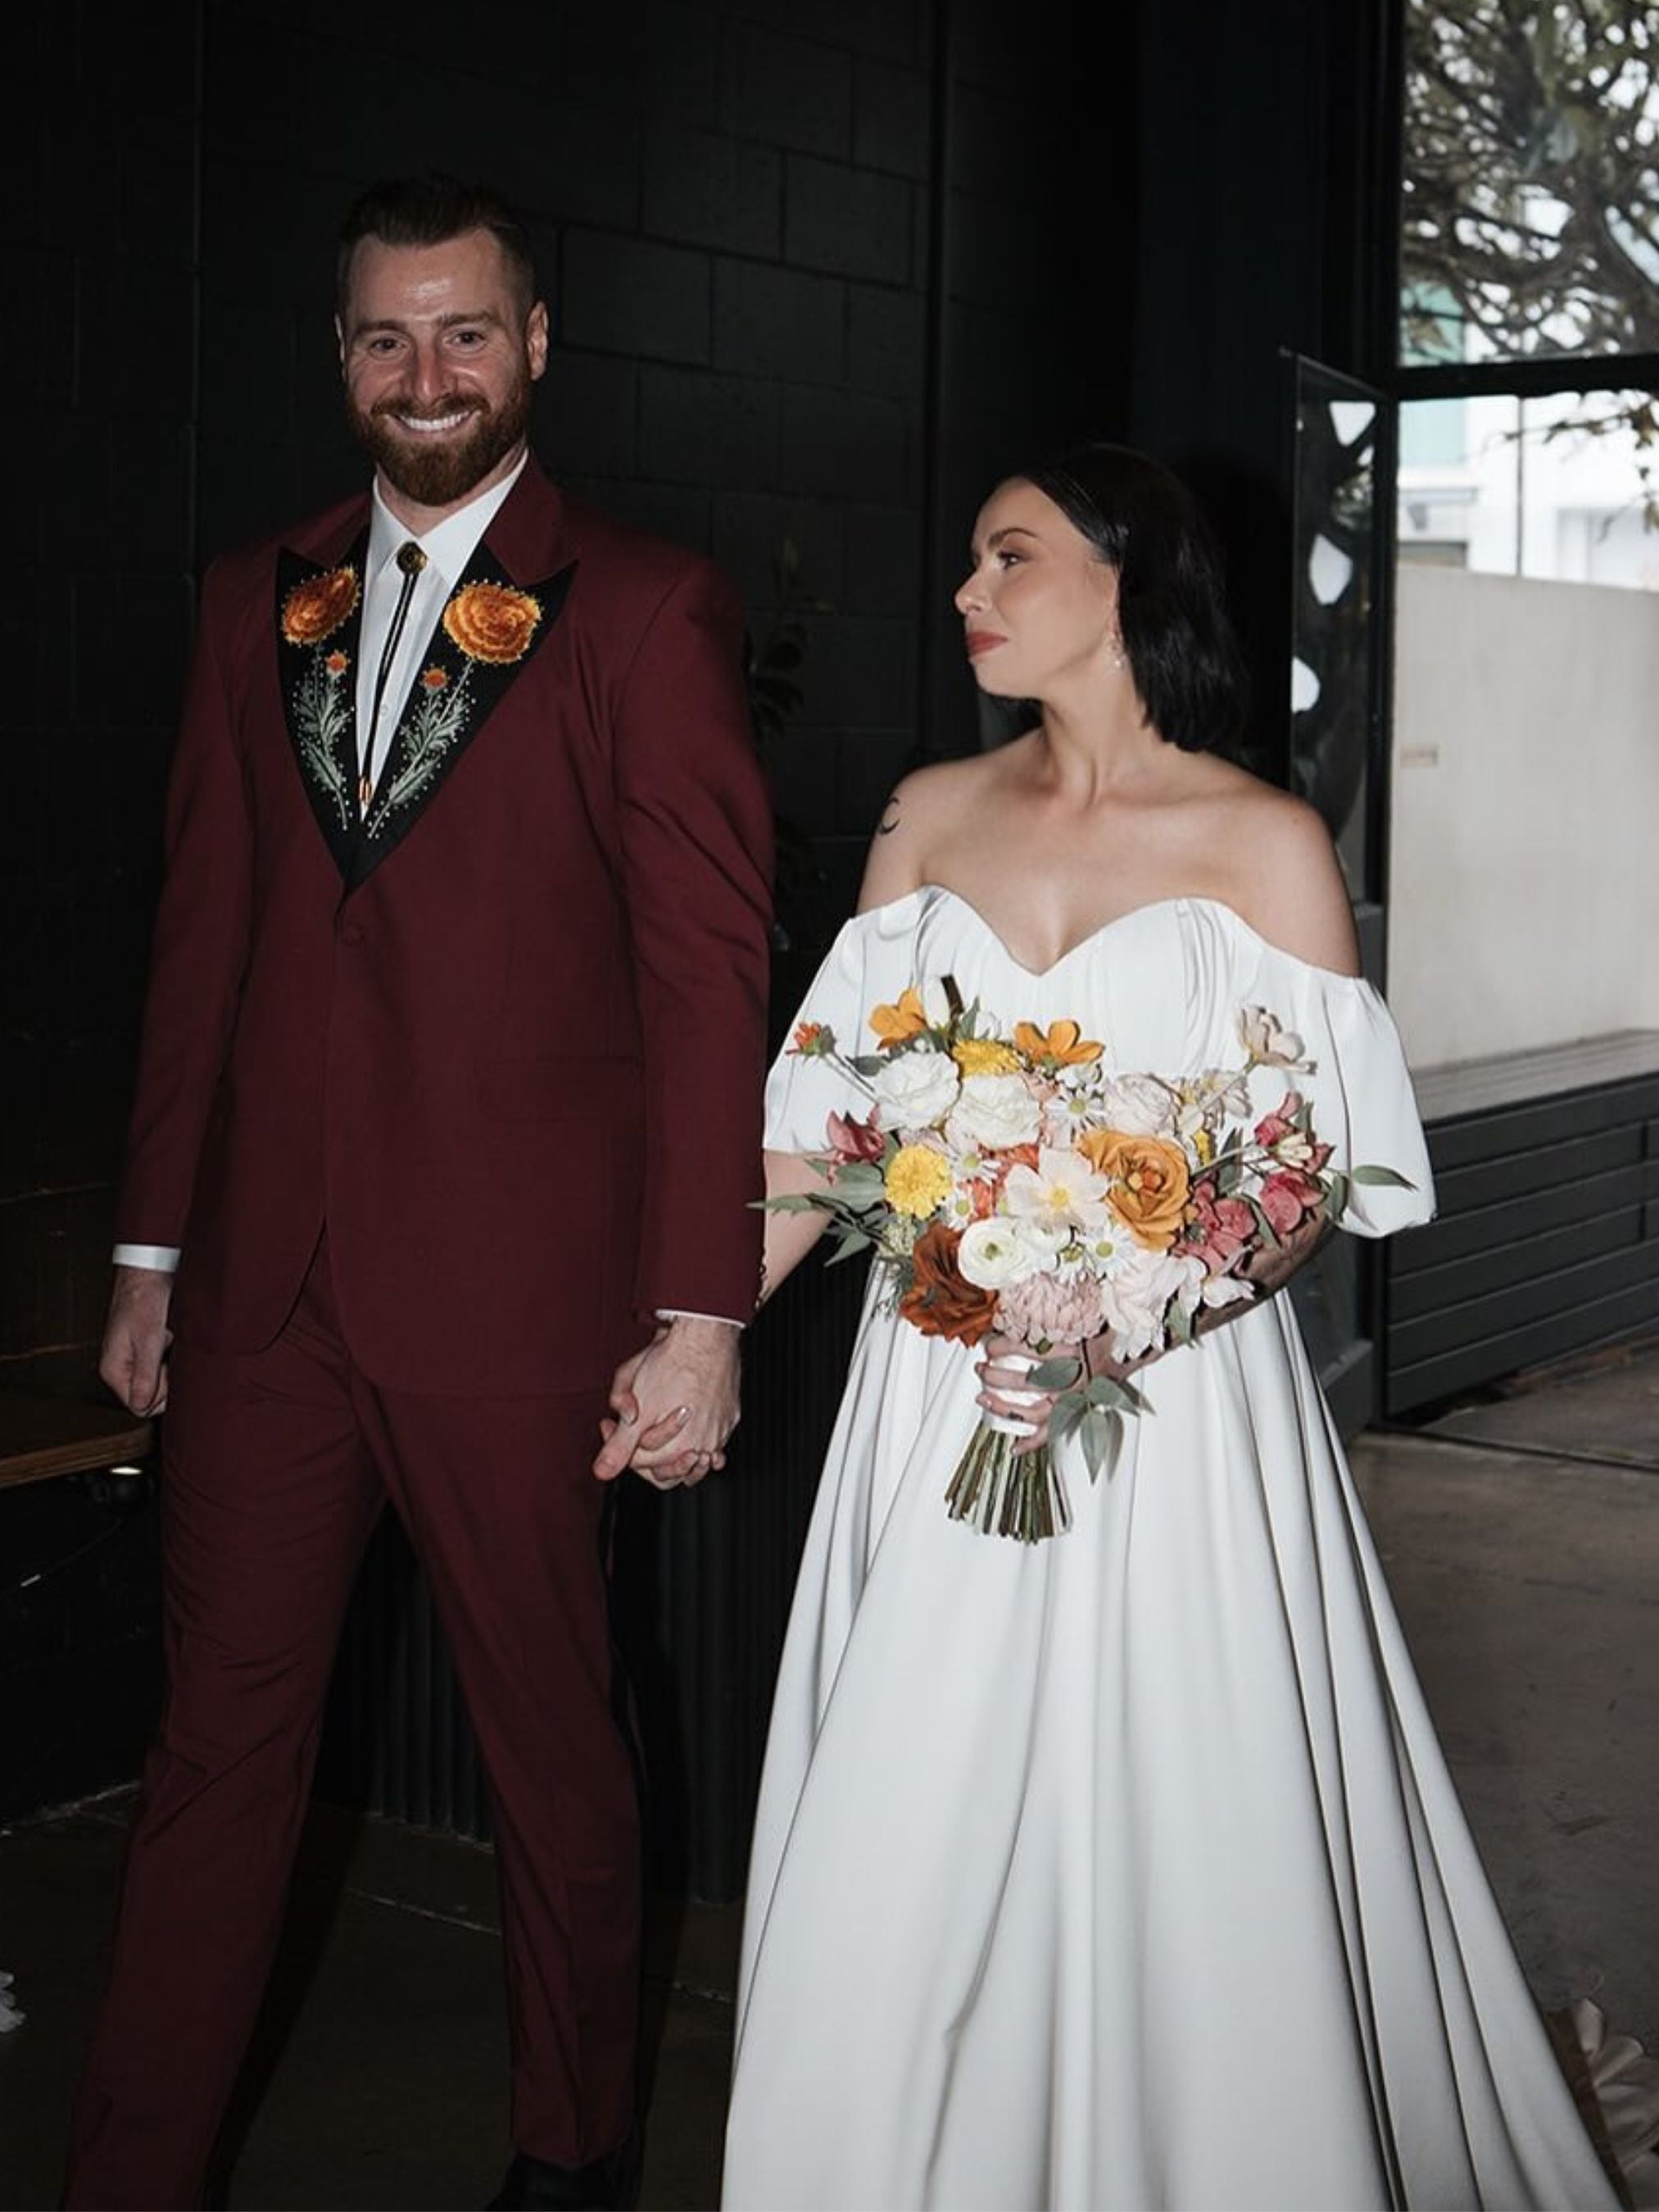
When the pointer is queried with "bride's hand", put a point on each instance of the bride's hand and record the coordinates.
(1005, 1369)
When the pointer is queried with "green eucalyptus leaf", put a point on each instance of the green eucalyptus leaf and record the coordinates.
(860, 1183)
(1097, 1443)
(1068, 1412)
(1270, 1236)
(1387, 1178)
(1056, 1374)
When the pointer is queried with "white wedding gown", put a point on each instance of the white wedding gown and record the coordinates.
(1123, 1870)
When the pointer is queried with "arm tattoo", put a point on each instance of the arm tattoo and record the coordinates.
(890, 818)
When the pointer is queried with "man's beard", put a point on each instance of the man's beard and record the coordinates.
(437, 474)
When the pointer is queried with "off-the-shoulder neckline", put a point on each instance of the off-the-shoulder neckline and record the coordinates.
(1106, 928)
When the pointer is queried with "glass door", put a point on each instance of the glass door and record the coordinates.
(1342, 499)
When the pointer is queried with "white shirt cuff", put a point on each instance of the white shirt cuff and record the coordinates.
(164, 1258)
(682, 1313)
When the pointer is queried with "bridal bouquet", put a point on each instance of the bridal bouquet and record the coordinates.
(1004, 1181)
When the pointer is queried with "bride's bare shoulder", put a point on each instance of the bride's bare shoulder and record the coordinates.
(927, 809)
(1280, 870)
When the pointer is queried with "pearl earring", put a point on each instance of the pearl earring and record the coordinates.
(1120, 659)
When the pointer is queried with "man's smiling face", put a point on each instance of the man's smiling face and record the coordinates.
(439, 349)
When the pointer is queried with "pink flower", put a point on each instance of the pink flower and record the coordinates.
(1273, 1128)
(1046, 1309)
(1289, 1136)
(851, 1140)
(1220, 1230)
(1288, 1197)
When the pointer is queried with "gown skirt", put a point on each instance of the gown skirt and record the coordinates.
(1122, 1870)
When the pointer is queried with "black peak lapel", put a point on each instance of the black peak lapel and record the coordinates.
(485, 636)
(320, 613)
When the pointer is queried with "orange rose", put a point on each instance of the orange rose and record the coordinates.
(1150, 1182)
(492, 622)
(941, 1301)
(313, 609)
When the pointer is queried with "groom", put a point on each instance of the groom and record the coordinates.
(447, 1104)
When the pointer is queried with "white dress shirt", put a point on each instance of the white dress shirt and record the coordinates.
(448, 546)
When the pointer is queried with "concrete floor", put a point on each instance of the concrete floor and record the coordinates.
(1522, 1538)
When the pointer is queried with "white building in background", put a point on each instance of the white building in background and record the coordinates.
(1483, 486)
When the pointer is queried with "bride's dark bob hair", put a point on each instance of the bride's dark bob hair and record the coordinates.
(1144, 522)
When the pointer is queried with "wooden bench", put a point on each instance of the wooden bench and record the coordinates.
(40, 1438)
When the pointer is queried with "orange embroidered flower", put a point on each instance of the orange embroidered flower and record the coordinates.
(336, 662)
(314, 609)
(807, 1037)
(1061, 1042)
(898, 1024)
(1150, 1182)
(435, 679)
(492, 622)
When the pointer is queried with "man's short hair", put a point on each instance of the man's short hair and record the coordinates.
(430, 211)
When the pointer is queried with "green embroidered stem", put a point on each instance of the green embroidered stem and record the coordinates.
(322, 712)
(437, 719)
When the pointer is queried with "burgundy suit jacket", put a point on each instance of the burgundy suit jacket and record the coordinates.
(506, 1034)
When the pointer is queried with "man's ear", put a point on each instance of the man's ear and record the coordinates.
(535, 337)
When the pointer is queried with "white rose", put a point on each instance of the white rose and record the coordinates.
(1138, 1294)
(996, 1252)
(1139, 1105)
(993, 1112)
(915, 1089)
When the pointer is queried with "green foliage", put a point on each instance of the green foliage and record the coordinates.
(1531, 191)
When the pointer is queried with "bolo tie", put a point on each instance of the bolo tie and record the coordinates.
(411, 561)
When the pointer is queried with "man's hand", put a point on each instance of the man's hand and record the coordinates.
(676, 1404)
(133, 1362)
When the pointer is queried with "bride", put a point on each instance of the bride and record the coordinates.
(1122, 1869)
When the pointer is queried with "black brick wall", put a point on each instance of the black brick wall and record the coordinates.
(94, 631)
(821, 272)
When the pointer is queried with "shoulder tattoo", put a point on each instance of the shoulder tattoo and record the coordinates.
(890, 818)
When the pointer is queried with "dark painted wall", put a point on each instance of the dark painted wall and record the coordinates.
(826, 272)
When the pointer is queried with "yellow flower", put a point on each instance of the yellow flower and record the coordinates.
(918, 1181)
(985, 1056)
(897, 1025)
(1062, 1040)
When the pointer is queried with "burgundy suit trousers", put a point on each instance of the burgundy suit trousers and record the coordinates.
(276, 1466)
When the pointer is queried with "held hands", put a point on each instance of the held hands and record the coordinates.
(676, 1403)
(133, 1362)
